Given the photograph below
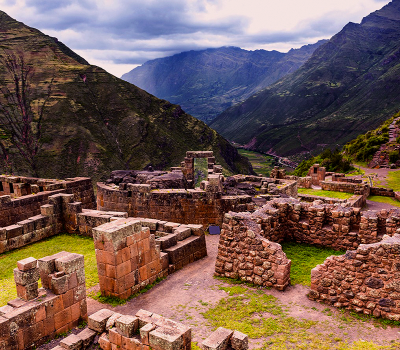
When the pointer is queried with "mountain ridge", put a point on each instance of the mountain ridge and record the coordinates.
(349, 85)
(205, 82)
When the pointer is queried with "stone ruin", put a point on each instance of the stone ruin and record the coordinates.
(130, 257)
(37, 315)
(138, 238)
(366, 280)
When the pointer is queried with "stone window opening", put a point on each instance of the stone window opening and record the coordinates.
(1, 187)
(11, 187)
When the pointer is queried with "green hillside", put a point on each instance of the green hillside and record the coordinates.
(350, 85)
(95, 122)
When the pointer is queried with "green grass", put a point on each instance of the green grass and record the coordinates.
(393, 180)
(115, 301)
(200, 170)
(387, 200)
(261, 163)
(69, 243)
(304, 258)
(267, 321)
(322, 193)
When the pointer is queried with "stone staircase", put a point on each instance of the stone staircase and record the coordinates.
(381, 157)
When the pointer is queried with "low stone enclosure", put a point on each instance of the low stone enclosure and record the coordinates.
(365, 279)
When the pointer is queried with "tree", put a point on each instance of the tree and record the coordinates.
(20, 122)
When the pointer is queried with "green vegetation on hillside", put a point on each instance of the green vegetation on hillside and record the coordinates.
(387, 200)
(95, 123)
(69, 243)
(261, 163)
(364, 146)
(332, 161)
(214, 79)
(393, 180)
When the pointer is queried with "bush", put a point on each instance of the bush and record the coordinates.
(332, 161)
(394, 156)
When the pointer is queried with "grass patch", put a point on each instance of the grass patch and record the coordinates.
(264, 318)
(261, 163)
(393, 180)
(304, 258)
(322, 193)
(387, 200)
(253, 312)
(50, 246)
(115, 301)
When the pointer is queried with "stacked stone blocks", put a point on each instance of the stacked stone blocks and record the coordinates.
(143, 331)
(133, 252)
(193, 206)
(222, 339)
(127, 257)
(31, 193)
(366, 280)
(39, 314)
(244, 254)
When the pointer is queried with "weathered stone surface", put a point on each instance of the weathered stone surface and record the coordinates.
(239, 341)
(72, 342)
(98, 320)
(87, 336)
(127, 325)
(218, 340)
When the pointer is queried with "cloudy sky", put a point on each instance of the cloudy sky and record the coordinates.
(118, 35)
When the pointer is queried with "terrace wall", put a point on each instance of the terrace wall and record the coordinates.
(31, 193)
(193, 206)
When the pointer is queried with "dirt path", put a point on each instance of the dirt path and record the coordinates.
(184, 295)
(379, 175)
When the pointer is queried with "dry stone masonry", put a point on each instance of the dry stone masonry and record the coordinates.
(130, 257)
(21, 197)
(37, 315)
(244, 254)
(366, 280)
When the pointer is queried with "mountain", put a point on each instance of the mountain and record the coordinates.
(95, 122)
(348, 86)
(207, 82)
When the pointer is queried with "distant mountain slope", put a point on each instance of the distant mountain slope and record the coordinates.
(349, 85)
(96, 122)
(207, 82)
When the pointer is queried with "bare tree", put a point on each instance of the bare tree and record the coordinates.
(20, 122)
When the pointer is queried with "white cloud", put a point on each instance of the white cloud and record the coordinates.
(119, 34)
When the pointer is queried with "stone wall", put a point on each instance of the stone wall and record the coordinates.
(366, 280)
(37, 315)
(31, 196)
(244, 254)
(130, 257)
(329, 225)
(317, 174)
(381, 191)
(347, 187)
(193, 206)
(304, 182)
